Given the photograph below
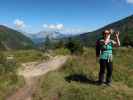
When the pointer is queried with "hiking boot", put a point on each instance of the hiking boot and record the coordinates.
(99, 83)
(108, 83)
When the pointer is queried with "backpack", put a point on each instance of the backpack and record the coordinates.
(97, 48)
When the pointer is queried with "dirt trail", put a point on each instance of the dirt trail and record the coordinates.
(31, 73)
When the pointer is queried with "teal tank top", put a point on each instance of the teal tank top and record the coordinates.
(106, 51)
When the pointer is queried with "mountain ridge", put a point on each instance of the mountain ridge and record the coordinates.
(11, 39)
(125, 26)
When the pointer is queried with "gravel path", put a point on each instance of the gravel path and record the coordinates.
(31, 73)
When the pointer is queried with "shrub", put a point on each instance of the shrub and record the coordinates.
(62, 51)
(74, 46)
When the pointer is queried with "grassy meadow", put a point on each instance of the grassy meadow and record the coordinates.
(76, 79)
(9, 80)
(10, 61)
(23, 56)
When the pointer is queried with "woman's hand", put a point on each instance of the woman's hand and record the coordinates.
(117, 34)
(117, 39)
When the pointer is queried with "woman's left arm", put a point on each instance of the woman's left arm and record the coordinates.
(117, 40)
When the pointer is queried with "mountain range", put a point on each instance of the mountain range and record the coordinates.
(11, 39)
(40, 37)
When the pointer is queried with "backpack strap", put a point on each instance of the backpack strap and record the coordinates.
(98, 48)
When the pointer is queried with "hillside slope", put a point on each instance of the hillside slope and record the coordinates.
(125, 26)
(11, 39)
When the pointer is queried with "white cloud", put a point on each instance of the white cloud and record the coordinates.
(53, 26)
(19, 23)
(65, 30)
(59, 26)
(130, 1)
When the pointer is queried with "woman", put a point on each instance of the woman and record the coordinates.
(104, 53)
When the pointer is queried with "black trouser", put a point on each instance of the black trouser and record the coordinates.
(104, 64)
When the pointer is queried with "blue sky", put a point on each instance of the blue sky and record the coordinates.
(65, 15)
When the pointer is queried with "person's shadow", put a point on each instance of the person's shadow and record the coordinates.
(80, 78)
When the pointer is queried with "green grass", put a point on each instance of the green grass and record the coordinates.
(54, 86)
(61, 51)
(23, 56)
(9, 81)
